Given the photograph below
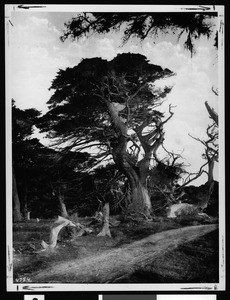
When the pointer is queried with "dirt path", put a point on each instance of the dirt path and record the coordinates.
(115, 264)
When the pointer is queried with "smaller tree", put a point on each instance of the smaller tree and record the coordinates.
(24, 151)
(58, 173)
(63, 175)
(210, 155)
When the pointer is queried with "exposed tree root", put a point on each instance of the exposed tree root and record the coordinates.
(57, 226)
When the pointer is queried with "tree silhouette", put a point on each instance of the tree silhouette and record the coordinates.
(188, 25)
(110, 108)
(211, 155)
(24, 150)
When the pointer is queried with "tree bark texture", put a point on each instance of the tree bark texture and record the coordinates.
(211, 163)
(210, 184)
(112, 265)
(137, 172)
(105, 230)
(17, 217)
(141, 204)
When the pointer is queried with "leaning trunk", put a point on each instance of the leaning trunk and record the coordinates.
(105, 230)
(210, 170)
(210, 181)
(25, 202)
(209, 185)
(63, 209)
(17, 217)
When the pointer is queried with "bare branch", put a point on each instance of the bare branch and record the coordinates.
(215, 91)
(197, 139)
(174, 156)
(197, 175)
(171, 114)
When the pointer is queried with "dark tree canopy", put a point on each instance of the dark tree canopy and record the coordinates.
(142, 25)
(107, 104)
(24, 156)
(23, 121)
(41, 173)
(78, 113)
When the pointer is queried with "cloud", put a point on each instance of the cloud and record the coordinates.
(106, 48)
(42, 24)
(26, 90)
(37, 54)
(191, 88)
(203, 58)
(36, 59)
(166, 55)
(192, 85)
(35, 31)
(39, 21)
(32, 71)
(89, 48)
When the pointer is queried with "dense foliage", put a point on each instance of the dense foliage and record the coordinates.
(188, 25)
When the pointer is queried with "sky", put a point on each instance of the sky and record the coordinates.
(36, 54)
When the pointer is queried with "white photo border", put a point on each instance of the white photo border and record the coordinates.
(27, 287)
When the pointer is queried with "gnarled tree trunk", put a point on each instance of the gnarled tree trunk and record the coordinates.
(141, 205)
(136, 172)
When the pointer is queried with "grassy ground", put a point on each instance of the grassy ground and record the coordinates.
(195, 261)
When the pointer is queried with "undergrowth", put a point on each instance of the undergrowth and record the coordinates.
(192, 262)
